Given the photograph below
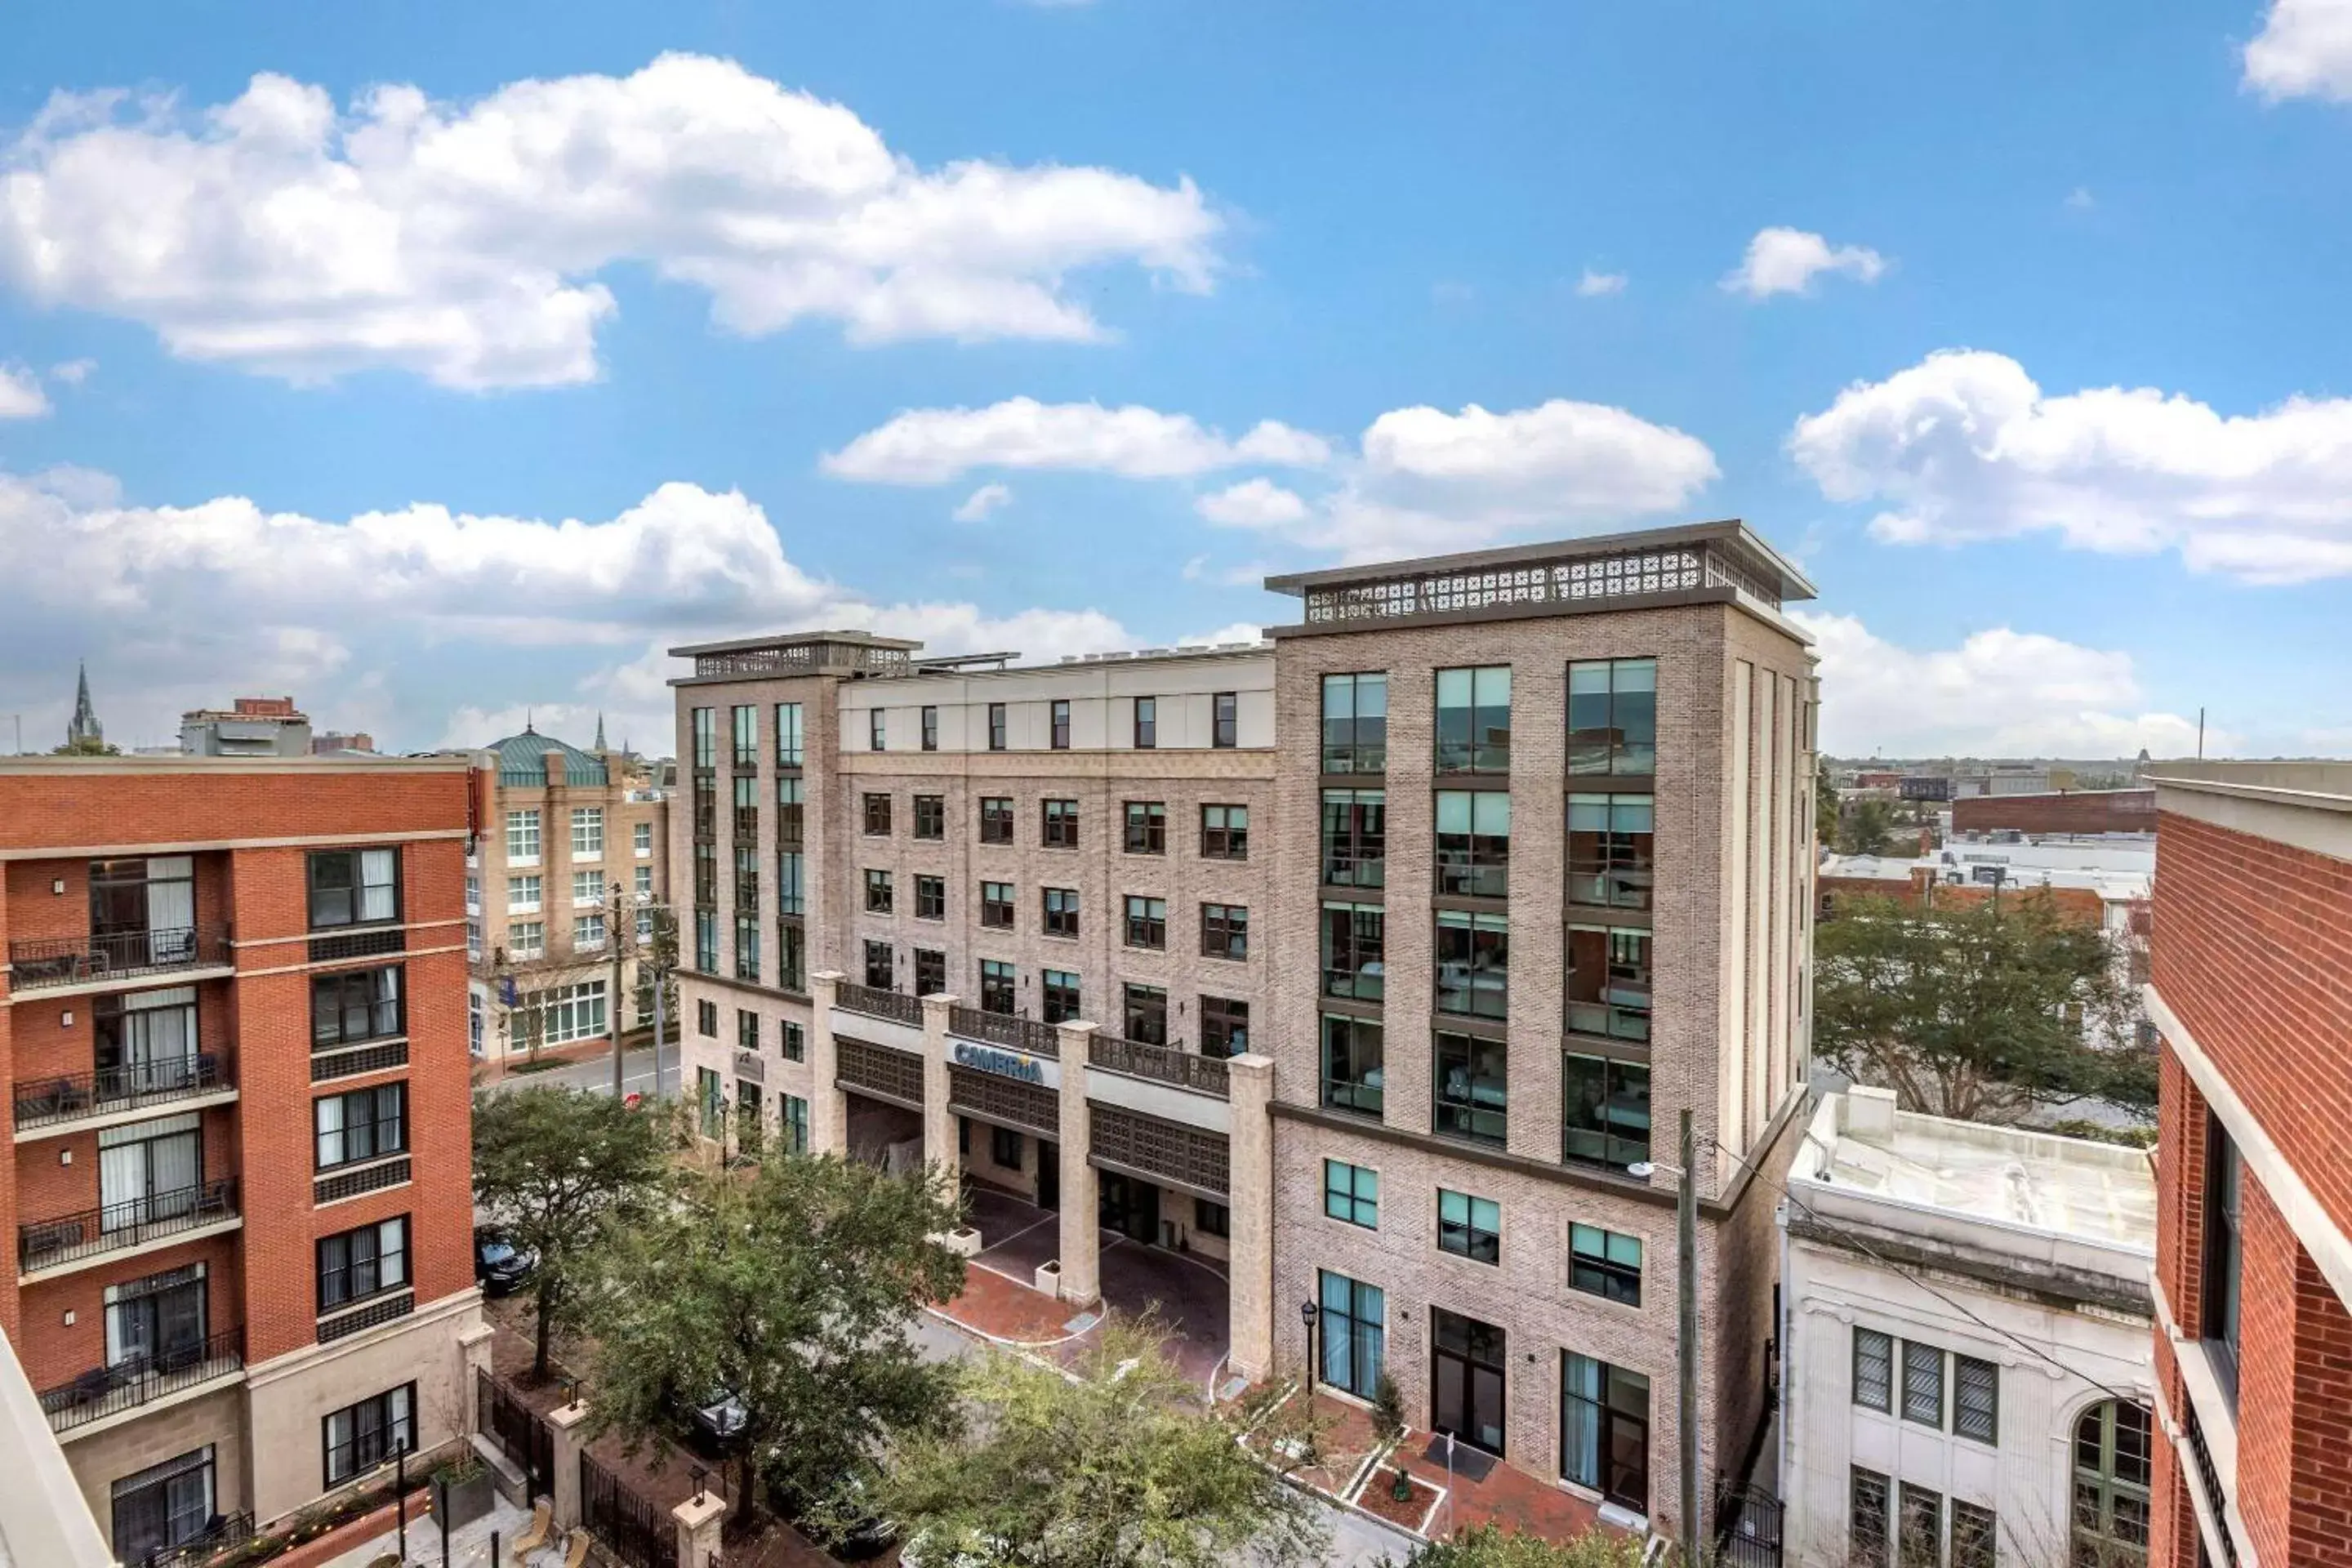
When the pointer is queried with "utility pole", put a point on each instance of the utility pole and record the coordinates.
(1687, 1339)
(616, 902)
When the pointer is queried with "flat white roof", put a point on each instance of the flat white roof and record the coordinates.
(2032, 1180)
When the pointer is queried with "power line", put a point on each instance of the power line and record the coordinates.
(1913, 1276)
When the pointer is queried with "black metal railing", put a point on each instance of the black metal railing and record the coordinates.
(631, 1528)
(368, 941)
(1164, 1064)
(73, 1097)
(876, 1003)
(519, 1431)
(68, 1239)
(348, 1061)
(1015, 1034)
(2209, 1480)
(106, 1391)
(221, 1535)
(40, 960)
(1747, 1521)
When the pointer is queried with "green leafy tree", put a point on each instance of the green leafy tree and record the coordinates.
(1982, 1009)
(85, 748)
(1867, 829)
(554, 1167)
(1825, 804)
(1118, 1468)
(791, 1288)
(1487, 1546)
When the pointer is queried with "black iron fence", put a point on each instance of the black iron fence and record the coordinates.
(222, 1534)
(521, 1433)
(70, 1097)
(1747, 1526)
(141, 1380)
(630, 1525)
(36, 962)
(68, 1238)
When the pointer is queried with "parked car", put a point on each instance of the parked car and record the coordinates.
(718, 1419)
(499, 1266)
(844, 1524)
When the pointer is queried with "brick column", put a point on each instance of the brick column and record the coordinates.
(939, 1121)
(699, 1524)
(828, 1106)
(1081, 1245)
(567, 1426)
(1249, 1202)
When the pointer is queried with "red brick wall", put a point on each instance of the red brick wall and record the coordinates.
(74, 807)
(2075, 811)
(54, 1351)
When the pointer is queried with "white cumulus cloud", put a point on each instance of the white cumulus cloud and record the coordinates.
(284, 234)
(978, 506)
(935, 445)
(1252, 503)
(1786, 261)
(2001, 693)
(1964, 445)
(21, 396)
(1594, 284)
(2305, 50)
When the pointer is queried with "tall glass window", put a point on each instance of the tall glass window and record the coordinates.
(1474, 843)
(1474, 720)
(1604, 1112)
(1473, 956)
(1605, 1418)
(2218, 1326)
(1355, 838)
(1354, 942)
(745, 722)
(1356, 723)
(1610, 846)
(1352, 1325)
(1353, 1054)
(1613, 716)
(706, 737)
(1471, 1088)
(1608, 982)
(788, 734)
(2110, 1485)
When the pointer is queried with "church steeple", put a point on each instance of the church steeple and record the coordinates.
(600, 730)
(84, 729)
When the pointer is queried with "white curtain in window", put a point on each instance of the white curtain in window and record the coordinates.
(121, 1180)
(377, 885)
(329, 1113)
(172, 1167)
(171, 907)
(159, 1038)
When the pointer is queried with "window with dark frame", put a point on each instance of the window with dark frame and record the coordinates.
(1923, 1384)
(1469, 1226)
(747, 1029)
(930, 816)
(1352, 1064)
(1224, 1026)
(1058, 823)
(354, 1264)
(358, 1437)
(1354, 948)
(1147, 724)
(1224, 720)
(1060, 714)
(930, 971)
(931, 898)
(1870, 1507)
(1147, 921)
(1351, 1193)
(1224, 832)
(1211, 1218)
(997, 986)
(1918, 1524)
(355, 1006)
(1608, 982)
(1610, 847)
(1006, 1147)
(1976, 1399)
(1061, 995)
(788, 751)
(996, 726)
(167, 1505)
(1471, 1089)
(358, 1125)
(1225, 932)
(792, 956)
(1355, 838)
(1874, 1370)
(1472, 957)
(794, 1041)
(1976, 1535)
(996, 905)
(877, 731)
(881, 966)
(705, 1018)
(1604, 1110)
(1474, 843)
(1604, 1414)
(2218, 1313)
(878, 814)
(1355, 723)
(995, 819)
(1613, 716)
(744, 720)
(354, 887)
(930, 728)
(1604, 1263)
(1147, 827)
(1143, 1014)
(1474, 720)
(879, 895)
(1061, 912)
(2112, 1475)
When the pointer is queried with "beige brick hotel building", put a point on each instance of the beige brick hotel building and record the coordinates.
(1363, 964)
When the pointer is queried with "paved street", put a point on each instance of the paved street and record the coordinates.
(636, 1073)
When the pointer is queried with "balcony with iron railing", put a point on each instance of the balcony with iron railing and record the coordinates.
(1005, 1029)
(1162, 1063)
(36, 962)
(142, 1380)
(59, 1240)
(65, 1098)
(217, 1543)
(876, 1003)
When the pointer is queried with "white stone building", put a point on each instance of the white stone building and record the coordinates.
(1966, 1317)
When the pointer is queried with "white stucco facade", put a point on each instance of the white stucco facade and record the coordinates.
(1983, 1247)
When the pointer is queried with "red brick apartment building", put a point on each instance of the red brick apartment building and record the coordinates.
(233, 1031)
(2253, 998)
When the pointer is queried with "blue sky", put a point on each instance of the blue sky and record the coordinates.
(471, 354)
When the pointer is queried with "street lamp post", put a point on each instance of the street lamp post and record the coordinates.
(1686, 1334)
(1306, 1311)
